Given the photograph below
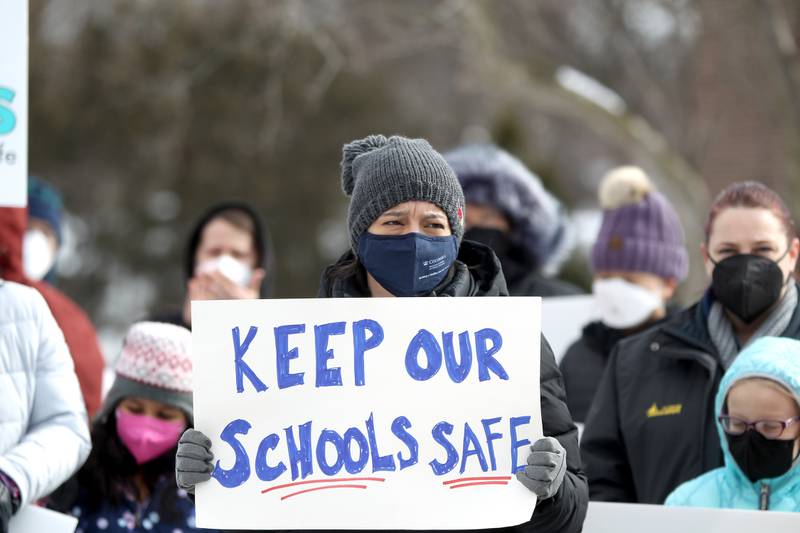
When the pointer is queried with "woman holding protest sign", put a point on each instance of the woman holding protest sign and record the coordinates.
(405, 225)
(127, 483)
(651, 426)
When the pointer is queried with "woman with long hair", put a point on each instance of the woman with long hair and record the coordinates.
(128, 482)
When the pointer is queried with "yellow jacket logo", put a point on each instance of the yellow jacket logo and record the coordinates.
(667, 410)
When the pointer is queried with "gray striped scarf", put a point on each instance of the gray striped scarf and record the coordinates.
(726, 341)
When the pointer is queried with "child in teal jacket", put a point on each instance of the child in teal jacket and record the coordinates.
(759, 425)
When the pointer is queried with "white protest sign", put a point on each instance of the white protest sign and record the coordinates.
(32, 519)
(636, 518)
(563, 319)
(14, 103)
(417, 411)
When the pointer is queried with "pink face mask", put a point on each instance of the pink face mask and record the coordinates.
(147, 437)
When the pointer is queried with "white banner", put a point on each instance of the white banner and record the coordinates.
(563, 319)
(417, 411)
(14, 103)
(637, 518)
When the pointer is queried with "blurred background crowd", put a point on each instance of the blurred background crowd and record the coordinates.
(145, 113)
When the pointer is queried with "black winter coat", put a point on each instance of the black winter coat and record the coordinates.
(583, 366)
(585, 361)
(652, 426)
(477, 273)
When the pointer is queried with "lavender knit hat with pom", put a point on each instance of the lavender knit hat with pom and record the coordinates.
(379, 173)
(640, 231)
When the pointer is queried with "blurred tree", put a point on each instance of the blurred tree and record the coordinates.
(145, 113)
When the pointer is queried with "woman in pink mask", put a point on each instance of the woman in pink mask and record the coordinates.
(128, 482)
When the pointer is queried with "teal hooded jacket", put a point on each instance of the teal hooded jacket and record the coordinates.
(727, 487)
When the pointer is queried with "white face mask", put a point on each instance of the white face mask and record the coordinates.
(37, 256)
(228, 266)
(622, 304)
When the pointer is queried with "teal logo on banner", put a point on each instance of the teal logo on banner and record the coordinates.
(7, 118)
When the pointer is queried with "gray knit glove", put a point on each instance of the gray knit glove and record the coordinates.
(194, 460)
(547, 464)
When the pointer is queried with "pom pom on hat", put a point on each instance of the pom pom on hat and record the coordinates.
(624, 186)
(351, 151)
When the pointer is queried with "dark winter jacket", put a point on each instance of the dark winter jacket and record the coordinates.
(477, 273)
(261, 244)
(585, 361)
(583, 366)
(651, 426)
(78, 330)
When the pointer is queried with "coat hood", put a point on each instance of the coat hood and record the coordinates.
(261, 240)
(540, 226)
(774, 358)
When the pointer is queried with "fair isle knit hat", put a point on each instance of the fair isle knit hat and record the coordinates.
(640, 231)
(379, 173)
(155, 363)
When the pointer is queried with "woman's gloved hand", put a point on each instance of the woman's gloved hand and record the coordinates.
(547, 464)
(194, 460)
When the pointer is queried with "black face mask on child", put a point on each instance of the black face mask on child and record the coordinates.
(760, 457)
(747, 285)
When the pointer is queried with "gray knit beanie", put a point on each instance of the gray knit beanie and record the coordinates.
(379, 173)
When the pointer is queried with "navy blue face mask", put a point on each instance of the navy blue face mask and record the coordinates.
(407, 265)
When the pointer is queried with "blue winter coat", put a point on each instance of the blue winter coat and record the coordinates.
(727, 487)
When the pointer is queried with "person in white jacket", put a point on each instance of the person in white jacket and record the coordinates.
(44, 435)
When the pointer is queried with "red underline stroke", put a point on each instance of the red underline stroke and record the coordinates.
(333, 480)
(484, 478)
(479, 483)
(324, 488)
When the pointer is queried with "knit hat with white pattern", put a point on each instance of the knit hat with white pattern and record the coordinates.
(156, 364)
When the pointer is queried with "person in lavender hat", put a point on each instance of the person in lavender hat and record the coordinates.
(638, 260)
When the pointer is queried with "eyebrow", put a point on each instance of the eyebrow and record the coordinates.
(428, 215)
(755, 243)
